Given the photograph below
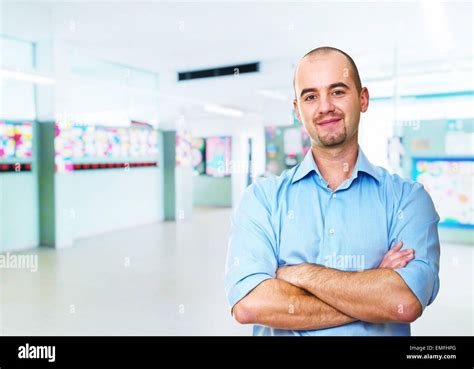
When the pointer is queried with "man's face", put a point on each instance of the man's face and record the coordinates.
(328, 103)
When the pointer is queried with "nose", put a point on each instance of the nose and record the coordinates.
(325, 105)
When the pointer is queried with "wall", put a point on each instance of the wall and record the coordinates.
(93, 202)
(19, 227)
(19, 217)
(212, 191)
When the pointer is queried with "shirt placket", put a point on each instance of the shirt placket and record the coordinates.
(330, 226)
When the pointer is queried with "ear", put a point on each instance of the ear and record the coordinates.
(297, 111)
(364, 99)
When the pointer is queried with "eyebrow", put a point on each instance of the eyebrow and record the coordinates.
(331, 86)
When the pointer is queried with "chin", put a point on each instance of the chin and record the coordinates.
(333, 141)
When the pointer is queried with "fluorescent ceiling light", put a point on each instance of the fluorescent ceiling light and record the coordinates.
(217, 109)
(26, 77)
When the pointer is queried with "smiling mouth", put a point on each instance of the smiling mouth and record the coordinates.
(329, 121)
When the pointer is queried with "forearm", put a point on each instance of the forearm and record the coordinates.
(278, 304)
(376, 295)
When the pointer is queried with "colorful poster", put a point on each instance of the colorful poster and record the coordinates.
(285, 147)
(10, 143)
(88, 136)
(78, 143)
(143, 142)
(16, 140)
(124, 142)
(95, 142)
(101, 142)
(218, 156)
(450, 184)
(23, 140)
(198, 153)
(63, 149)
(152, 143)
(270, 133)
(183, 149)
(113, 143)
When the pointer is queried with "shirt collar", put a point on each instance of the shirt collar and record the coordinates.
(362, 165)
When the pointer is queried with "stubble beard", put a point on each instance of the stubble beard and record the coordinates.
(331, 139)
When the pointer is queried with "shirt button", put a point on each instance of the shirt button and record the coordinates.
(333, 196)
(331, 231)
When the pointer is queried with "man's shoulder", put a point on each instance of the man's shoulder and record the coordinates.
(269, 188)
(394, 180)
(398, 187)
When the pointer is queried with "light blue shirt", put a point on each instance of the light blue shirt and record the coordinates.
(295, 218)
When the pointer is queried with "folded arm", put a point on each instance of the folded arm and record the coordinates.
(278, 304)
(376, 296)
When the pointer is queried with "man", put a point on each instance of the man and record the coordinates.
(335, 245)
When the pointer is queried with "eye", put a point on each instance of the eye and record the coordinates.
(338, 92)
(309, 97)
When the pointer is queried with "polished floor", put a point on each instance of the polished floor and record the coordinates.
(167, 279)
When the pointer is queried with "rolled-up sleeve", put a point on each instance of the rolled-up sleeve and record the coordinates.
(416, 225)
(251, 256)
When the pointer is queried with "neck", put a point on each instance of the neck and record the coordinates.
(336, 163)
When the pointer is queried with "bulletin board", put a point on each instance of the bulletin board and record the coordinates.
(89, 144)
(449, 181)
(183, 149)
(16, 140)
(285, 147)
(207, 156)
(198, 155)
(218, 156)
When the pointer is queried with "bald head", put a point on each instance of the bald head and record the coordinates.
(325, 50)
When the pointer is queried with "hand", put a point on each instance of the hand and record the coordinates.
(395, 259)
(293, 274)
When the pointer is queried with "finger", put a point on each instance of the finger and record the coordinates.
(405, 254)
(404, 262)
(400, 262)
(395, 248)
(393, 253)
(401, 253)
(395, 258)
